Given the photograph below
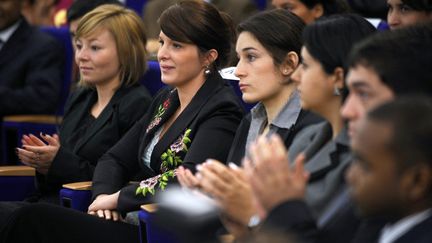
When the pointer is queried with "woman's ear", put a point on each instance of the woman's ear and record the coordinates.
(339, 78)
(318, 11)
(210, 57)
(289, 64)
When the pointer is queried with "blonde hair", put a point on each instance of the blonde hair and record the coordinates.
(128, 31)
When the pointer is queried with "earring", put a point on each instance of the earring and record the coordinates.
(207, 70)
(336, 91)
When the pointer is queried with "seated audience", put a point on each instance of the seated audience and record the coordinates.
(375, 76)
(109, 101)
(266, 64)
(402, 13)
(193, 119)
(311, 10)
(322, 90)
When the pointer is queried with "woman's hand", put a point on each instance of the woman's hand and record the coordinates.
(271, 176)
(38, 153)
(230, 189)
(104, 206)
(186, 178)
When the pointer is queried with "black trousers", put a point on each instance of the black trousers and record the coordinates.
(38, 222)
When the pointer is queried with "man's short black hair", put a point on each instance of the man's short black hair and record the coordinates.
(401, 58)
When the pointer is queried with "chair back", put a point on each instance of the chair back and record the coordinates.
(136, 5)
(152, 78)
(63, 36)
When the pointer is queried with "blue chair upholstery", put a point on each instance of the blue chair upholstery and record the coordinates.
(76, 195)
(14, 127)
(63, 36)
(149, 229)
(16, 182)
(152, 78)
(261, 4)
(136, 5)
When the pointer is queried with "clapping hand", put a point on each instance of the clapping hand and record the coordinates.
(272, 178)
(39, 153)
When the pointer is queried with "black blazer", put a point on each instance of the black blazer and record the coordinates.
(31, 72)
(75, 161)
(213, 116)
(238, 147)
(420, 233)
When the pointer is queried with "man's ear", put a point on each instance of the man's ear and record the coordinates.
(318, 10)
(419, 182)
(289, 64)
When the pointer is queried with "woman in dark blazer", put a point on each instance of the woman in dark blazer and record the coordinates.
(107, 103)
(193, 120)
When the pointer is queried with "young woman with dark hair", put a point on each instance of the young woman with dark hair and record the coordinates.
(402, 13)
(192, 119)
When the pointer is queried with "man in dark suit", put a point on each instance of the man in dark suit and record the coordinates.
(31, 65)
(391, 174)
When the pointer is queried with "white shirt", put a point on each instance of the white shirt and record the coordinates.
(7, 33)
(392, 232)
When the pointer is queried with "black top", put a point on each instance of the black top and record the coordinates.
(77, 157)
(212, 117)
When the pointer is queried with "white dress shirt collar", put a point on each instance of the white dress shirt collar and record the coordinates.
(7, 33)
(392, 232)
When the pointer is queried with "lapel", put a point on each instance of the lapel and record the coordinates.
(325, 152)
(15, 42)
(186, 118)
(103, 118)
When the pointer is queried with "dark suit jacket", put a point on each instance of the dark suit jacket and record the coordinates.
(76, 161)
(31, 71)
(345, 226)
(213, 116)
(238, 147)
(420, 233)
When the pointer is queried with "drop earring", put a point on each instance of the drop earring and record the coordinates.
(336, 91)
(207, 70)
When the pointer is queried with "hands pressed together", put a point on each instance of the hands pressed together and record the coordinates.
(39, 152)
(266, 180)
